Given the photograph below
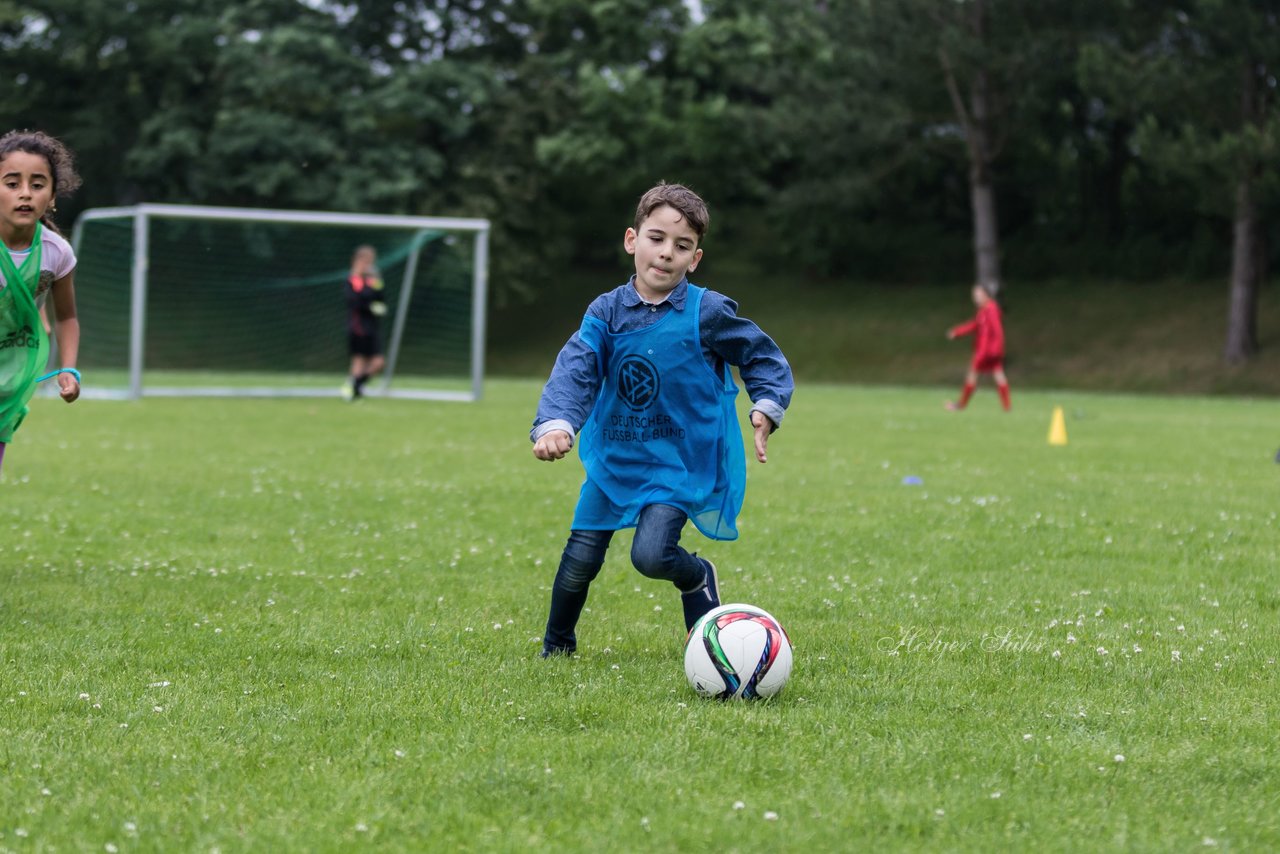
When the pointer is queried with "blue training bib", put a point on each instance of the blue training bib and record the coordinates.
(664, 429)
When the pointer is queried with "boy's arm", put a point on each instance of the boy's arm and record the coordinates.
(963, 329)
(764, 370)
(566, 399)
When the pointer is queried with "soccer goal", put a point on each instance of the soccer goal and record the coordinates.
(179, 300)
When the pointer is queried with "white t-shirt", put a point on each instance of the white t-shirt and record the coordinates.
(56, 260)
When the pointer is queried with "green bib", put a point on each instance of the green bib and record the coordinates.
(24, 346)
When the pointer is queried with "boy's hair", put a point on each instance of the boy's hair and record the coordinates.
(680, 199)
(990, 287)
(61, 164)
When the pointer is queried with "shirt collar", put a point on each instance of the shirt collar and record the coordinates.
(631, 297)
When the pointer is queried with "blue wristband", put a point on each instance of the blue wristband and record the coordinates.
(53, 374)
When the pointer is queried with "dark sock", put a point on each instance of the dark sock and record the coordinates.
(358, 382)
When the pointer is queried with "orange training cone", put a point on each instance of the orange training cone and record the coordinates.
(1057, 428)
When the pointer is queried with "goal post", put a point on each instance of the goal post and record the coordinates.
(184, 300)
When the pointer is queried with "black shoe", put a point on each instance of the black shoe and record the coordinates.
(698, 602)
(565, 651)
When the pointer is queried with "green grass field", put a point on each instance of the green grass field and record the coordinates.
(304, 625)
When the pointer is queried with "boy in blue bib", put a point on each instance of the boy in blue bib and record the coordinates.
(646, 383)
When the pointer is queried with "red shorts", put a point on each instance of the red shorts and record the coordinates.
(987, 364)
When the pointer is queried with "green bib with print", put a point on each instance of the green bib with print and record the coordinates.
(24, 346)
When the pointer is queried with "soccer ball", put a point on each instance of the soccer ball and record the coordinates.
(737, 651)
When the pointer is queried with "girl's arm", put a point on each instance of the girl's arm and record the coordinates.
(990, 341)
(963, 329)
(67, 327)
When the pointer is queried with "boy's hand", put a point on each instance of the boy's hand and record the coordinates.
(553, 446)
(764, 427)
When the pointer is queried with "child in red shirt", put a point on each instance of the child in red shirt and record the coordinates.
(988, 345)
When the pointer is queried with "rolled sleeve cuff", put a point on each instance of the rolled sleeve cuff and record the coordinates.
(771, 410)
(547, 426)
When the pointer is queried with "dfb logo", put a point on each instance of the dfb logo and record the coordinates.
(637, 382)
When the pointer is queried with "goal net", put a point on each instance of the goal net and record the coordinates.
(185, 300)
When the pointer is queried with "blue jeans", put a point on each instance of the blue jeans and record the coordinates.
(655, 552)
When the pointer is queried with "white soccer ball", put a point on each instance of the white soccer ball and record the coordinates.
(737, 651)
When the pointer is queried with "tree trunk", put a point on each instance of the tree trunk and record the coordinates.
(1246, 246)
(982, 194)
(1242, 310)
(975, 117)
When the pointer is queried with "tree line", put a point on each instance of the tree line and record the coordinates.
(846, 139)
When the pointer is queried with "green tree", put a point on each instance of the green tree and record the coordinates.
(1197, 80)
(998, 64)
(875, 128)
(261, 103)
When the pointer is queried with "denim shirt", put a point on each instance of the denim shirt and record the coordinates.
(570, 393)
